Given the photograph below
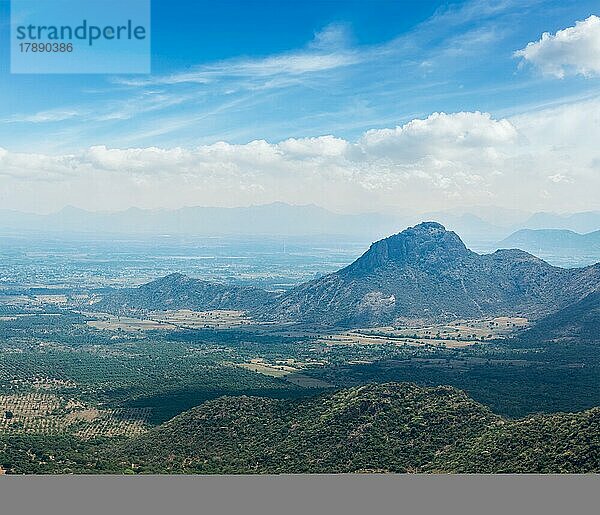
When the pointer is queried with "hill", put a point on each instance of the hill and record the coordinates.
(552, 240)
(426, 272)
(392, 427)
(385, 428)
(177, 291)
(560, 443)
(578, 322)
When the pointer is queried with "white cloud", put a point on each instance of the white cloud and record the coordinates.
(571, 51)
(38, 167)
(458, 131)
(327, 51)
(541, 160)
(51, 115)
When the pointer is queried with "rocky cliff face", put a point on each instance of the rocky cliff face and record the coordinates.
(426, 245)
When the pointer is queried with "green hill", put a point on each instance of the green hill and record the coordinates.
(393, 427)
(386, 428)
(560, 443)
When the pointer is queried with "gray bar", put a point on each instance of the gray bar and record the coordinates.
(318, 494)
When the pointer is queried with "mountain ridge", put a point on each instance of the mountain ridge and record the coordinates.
(178, 291)
(426, 272)
(553, 240)
(276, 218)
(423, 272)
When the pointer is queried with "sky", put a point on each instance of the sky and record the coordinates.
(356, 106)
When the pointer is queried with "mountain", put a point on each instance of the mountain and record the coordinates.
(578, 322)
(423, 273)
(427, 272)
(177, 291)
(394, 427)
(583, 222)
(553, 240)
(273, 219)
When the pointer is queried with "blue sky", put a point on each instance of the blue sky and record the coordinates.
(241, 71)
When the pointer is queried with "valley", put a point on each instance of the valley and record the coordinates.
(93, 375)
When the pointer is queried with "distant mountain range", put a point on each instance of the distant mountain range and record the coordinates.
(425, 272)
(553, 240)
(269, 219)
(476, 224)
(585, 222)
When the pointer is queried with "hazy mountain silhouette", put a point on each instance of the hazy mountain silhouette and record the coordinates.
(271, 219)
(553, 240)
(584, 222)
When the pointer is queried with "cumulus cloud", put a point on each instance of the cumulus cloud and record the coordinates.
(440, 132)
(571, 51)
(439, 161)
(38, 167)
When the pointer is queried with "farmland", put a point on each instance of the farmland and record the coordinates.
(72, 376)
(168, 361)
(51, 414)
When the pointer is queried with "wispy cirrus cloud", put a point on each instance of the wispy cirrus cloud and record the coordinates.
(332, 83)
(327, 51)
(51, 115)
(141, 103)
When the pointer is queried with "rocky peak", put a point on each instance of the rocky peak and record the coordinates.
(427, 242)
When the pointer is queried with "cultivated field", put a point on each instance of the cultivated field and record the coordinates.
(284, 370)
(47, 413)
(107, 322)
(457, 334)
(187, 319)
(169, 320)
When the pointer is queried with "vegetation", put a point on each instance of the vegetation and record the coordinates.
(372, 428)
(178, 390)
(562, 443)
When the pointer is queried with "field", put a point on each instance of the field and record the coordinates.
(169, 320)
(67, 371)
(51, 414)
(457, 334)
(282, 369)
(187, 319)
